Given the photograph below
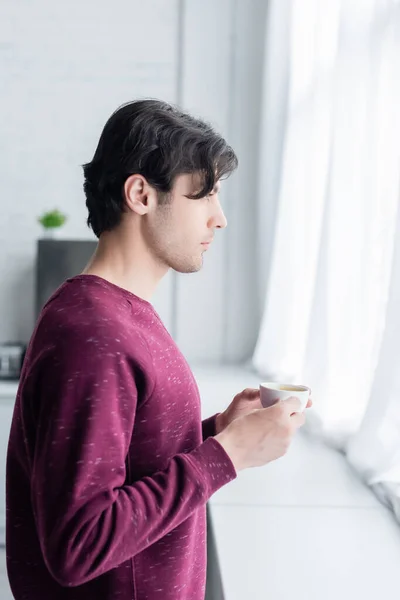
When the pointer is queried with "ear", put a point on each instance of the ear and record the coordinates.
(137, 191)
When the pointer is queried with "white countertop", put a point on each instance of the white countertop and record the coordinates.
(8, 389)
(302, 527)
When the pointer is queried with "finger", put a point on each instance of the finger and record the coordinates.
(298, 419)
(251, 393)
(309, 403)
(292, 404)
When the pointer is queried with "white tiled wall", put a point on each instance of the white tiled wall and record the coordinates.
(64, 67)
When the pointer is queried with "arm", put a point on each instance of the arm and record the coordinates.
(88, 519)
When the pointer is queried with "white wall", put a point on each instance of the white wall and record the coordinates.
(65, 67)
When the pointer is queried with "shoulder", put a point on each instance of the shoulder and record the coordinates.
(88, 321)
(82, 345)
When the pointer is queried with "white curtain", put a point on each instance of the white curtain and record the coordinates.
(329, 236)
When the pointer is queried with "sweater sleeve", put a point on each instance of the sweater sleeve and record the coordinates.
(209, 427)
(88, 519)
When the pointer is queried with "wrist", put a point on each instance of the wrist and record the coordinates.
(219, 423)
(225, 440)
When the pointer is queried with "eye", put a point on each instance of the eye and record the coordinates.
(210, 196)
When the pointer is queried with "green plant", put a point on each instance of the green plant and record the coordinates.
(52, 219)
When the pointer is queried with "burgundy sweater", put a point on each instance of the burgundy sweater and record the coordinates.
(107, 471)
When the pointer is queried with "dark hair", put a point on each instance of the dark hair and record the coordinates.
(156, 140)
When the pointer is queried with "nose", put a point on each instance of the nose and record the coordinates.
(218, 219)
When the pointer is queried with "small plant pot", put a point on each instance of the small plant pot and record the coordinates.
(51, 233)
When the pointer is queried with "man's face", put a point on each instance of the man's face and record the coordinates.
(179, 232)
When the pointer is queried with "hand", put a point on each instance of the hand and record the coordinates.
(242, 404)
(262, 435)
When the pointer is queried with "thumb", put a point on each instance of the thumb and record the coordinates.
(251, 393)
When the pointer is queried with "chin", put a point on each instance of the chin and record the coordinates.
(187, 267)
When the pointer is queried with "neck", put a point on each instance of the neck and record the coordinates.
(122, 258)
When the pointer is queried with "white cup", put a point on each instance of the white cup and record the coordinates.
(272, 392)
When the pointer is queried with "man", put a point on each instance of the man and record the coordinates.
(109, 467)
